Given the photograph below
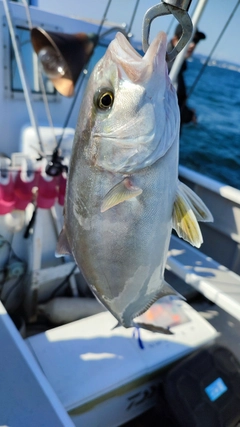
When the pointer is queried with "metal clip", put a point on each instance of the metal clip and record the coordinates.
(178, 8)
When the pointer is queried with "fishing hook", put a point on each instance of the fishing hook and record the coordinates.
(179, 9)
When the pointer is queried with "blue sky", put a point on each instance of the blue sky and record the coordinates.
(212, 21)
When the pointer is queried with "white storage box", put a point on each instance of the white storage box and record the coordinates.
(103, 376)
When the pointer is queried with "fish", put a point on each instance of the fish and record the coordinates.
(123, 196)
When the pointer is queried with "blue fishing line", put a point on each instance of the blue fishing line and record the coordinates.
(136, 334)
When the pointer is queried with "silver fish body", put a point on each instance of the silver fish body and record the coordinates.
(123, 180)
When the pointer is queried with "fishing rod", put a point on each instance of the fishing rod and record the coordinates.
(55, 166)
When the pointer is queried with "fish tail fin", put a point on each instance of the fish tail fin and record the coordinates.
(152, 328)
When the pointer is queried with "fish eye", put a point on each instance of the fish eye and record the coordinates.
(104, 99)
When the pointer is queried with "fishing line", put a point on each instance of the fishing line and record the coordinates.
(84, 73)
(81, 82)
(104, 17)
(213, 49)
(133, 16)
(63, 282)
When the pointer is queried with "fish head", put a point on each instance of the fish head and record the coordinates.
(130, 107)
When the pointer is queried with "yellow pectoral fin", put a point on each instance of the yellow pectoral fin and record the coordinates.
(121, 192)
(199, 208)
(188, 209)
(185, 222)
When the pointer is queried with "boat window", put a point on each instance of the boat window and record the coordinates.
(30, 64)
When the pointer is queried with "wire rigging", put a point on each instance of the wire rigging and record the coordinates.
(104, 17)
(70, 110)
(133, 16)
(212, 50)
(83, 75)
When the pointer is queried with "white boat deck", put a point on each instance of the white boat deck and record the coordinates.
(214, 281)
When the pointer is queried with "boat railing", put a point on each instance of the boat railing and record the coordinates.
(216, 282)
(222, 236)
(226, 191)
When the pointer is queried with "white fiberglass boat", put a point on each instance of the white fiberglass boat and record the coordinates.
(57, 369)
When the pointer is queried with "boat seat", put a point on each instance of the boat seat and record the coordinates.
(216, 282)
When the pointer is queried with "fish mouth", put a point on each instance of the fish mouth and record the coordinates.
(139, 69)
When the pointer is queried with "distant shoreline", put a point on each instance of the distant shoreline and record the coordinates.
(218, 62)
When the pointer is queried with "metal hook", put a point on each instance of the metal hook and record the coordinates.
(178, 8)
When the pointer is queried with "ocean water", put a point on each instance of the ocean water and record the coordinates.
(212, 145)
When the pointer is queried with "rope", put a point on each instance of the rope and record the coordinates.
(213, 49)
